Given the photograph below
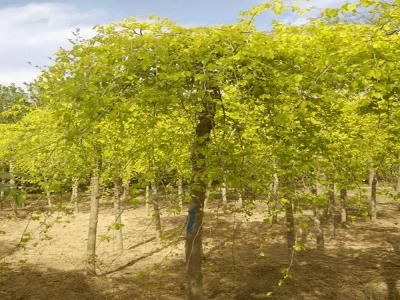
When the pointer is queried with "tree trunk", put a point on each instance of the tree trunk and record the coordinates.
(371, 176)
(275, 199)
(372, 202)
(224, 189)
(180, 193)
(117, 213)
(48, 197)
(208, 192)
(156, 212)
(93, 219)
(1, 198)
(74, 194)
(398, 180)
(14, 203)
(125, 191)
(240, 200)
(194, 228)
(331, 209)
(398, 183)
(290, 225)
(147, 199)
(319, 232)
(343, 206)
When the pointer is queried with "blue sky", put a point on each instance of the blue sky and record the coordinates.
(31, 31)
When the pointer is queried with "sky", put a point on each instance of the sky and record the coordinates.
(31, 31)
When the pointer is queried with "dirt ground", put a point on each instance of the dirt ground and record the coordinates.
(245, 258)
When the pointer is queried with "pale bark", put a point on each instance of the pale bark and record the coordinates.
(343, 206)
(319, 230)
(156, 211)
(240, 200)
(48, 197)
(147, 199)
(125, 191)
(93, 219)
(14, 203)
(180, 193)
(290, 224)
(398, 183)
(275, 199)
(194, 228)
(117, 213)
(207, 195)
(372, 199)
(74, 193)
(331, 209)
(398, 180)
(224, 189)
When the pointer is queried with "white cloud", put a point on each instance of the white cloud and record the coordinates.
(33, 32)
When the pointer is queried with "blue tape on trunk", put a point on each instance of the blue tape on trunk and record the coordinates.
(192, 217)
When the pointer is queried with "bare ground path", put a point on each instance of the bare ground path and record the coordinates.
(244, 259)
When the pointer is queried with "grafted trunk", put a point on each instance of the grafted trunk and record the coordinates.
(224, 189)
(147, 199)
(93, 219)
(208, 192)
(343, 206)
(156, 211)
(372, 200)
(74, 193)
(290, 224)
(194, 228)
(117, 213)
(180, 193)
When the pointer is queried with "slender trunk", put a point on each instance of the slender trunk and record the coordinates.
(125, 191)
(156, 209)
(398, 183)
(93, 219)
(180, 193)
(240, 200)
(319, 232)
(74, 194)
(208, 192)
(331, 209)
(117, 213)
(194, 228)
(48, 197)
(275, 199)
(343, 206)
(372, 203)
(146, 199)
(224, 189)
(290, 224)
(14, 203)
(398, 180)
(371, 176)
(1, 196)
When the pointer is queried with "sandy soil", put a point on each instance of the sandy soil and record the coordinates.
(244, 258)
